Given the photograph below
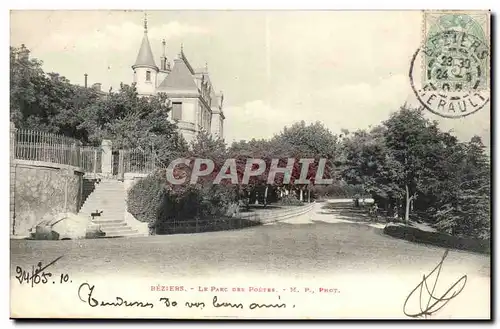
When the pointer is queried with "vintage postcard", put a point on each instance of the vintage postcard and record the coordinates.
(250, 164)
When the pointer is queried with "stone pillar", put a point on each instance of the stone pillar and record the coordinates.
(107, 157)
(95, 162)
(13, 140)
(121, 166)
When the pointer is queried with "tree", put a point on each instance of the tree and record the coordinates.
(465, 205)
(134, 122)
(313, 141)
(44, 101)
(366, 162)
(416, 146)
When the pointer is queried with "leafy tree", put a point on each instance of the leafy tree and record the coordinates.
(407, 163)
(313, 141)
(365, 163)
(44, 102)
(465, 206)
(134, 122)
(415, 146)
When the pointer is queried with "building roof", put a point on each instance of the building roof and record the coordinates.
(145, 56)
(180, 78)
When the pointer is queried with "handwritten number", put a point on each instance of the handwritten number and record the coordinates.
(64, 278)
(35, 279)
(19, 275)
(37, 275)
(168, 303)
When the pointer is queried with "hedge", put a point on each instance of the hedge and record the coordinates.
(437, 238)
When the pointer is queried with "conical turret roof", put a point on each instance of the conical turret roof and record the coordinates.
(145, 56)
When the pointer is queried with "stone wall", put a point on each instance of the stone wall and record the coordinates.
(40, 191)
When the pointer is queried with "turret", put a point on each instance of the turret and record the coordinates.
(145, 69)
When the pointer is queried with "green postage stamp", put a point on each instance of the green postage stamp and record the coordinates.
(455, 62)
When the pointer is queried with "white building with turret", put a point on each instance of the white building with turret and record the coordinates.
(196, 106)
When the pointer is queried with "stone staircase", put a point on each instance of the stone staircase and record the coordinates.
(108, 196)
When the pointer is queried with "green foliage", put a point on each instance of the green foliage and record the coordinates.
(45, 102)
(158, 203)
(134, 122)
(407, 163)
(308, 141)
(465, 206)
(290, 200)
(145, 199)
(338, 189)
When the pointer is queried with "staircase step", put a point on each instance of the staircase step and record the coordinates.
(112, 225)
(116, 230)
(121, 233)
(106, 199)
(104, 213)
(103, 210)
(104, 206)
(108, 221)
(108, 196)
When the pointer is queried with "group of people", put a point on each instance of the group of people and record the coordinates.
(374, 212)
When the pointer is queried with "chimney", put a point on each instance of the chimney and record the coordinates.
(86, 75)
(163, 59)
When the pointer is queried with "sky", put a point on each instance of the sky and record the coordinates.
(347, 69)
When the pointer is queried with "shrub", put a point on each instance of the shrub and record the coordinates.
(153, 201)
(145, 199)
(437, 238)
(290, 200)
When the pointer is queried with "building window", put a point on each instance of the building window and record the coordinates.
(177, 111)
(148, 75)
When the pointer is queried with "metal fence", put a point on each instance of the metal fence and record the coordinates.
(238, 221)
(271, 215)
(136, 161)
(47, 147)
(91, 159)
(204, 225)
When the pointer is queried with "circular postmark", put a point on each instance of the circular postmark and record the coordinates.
(455, 75)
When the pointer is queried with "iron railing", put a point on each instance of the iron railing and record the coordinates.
(91, 159)
(136, 161)
(47, 147)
